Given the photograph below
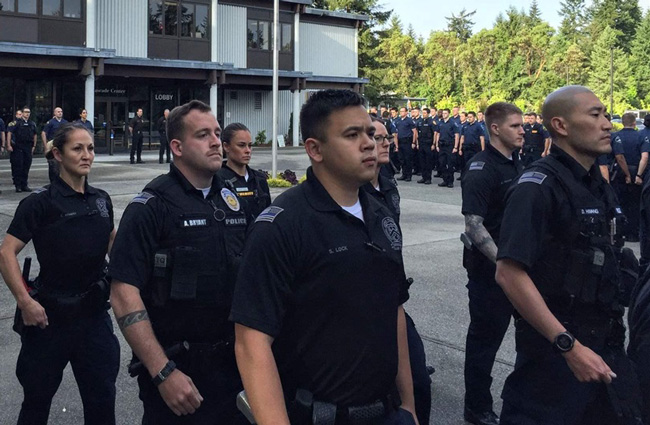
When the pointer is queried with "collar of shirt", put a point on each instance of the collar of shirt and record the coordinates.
(498, 156)
(591, 178)
(187, 186)
(65, 190)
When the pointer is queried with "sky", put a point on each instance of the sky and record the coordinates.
(427, 16)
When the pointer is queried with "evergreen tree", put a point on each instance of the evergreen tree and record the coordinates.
(461, 25)
(574, 19)
(534, 14)
(640, 61)
(599, 74)
(620, 15)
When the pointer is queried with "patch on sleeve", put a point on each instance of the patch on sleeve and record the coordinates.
(39, 190)
(476, 166)
(618, 140)
(532, 177)
(142, 198)
(269, 214)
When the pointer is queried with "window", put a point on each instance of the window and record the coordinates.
(174, 18)
(7, 5)
(52, 8)
(27, 6)
(72, 9)
(260, 35)
(49, 8)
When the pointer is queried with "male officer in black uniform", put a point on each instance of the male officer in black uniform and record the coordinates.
(639, 347)
(136, 126)
(405, 137)
(557, 264)
(173, 265)
(326, 292)
(21, 145)
(49, 129)
(472, 140)
(631, 154)
(446, 145)
(536, 139)
(487, 176)
(162, 132)
(426, 130)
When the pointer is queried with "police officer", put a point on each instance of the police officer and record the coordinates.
(392, 131)
(136, 126)
(162, 133)
(47, 134)
(21, 145)
(173, 266)
(426, 130)
(557, 264)
(405, 137)
(536, 140)
(326, 291)
(385, 191)
(486, 177)
(472, 140)
(83, 118)
(415, 155)
(639, 346)
(446, 141)
(62, 316)
(250, 184)
(631, 154)
(480, 118)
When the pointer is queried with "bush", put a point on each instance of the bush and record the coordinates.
(278, 183)
(302, 179)
(260, 139)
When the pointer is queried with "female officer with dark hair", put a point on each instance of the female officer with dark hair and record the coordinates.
(250, 184)
(65, 321)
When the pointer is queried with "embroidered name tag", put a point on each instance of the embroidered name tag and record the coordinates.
(476, 166)
(269, 214)
(532, 177)
(590, 211)
(198, 222)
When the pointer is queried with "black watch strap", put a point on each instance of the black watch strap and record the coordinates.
(164, 373)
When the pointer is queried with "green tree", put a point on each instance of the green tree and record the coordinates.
(640, 60)
(461, 25)
(620, 15)
(534, 14)
(574, 19)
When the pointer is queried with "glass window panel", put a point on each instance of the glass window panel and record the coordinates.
(7, 5)
(155, 17)
(187, 19)
(287, 37)
(52, 8)
(72, 9)
(171, 18)
(27, 6)
(202, 21)
(263, 35)
(252, 35)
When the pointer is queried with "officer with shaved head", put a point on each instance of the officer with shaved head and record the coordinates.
(558, 264)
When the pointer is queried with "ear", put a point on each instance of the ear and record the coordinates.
(314, 149)
(176, 147)
(559, 126)
(494, 129)
(57, 155)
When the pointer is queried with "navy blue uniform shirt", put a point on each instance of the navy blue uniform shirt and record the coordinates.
(51, 126)
(472, 133)
(404, 127)
(447, 130)
(629, 143)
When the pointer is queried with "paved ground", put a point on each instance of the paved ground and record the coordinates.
(431, 223)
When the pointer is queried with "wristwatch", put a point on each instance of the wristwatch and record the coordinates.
(164, 373)
(563, 342)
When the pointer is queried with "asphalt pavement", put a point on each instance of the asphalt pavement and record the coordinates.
(431, 222)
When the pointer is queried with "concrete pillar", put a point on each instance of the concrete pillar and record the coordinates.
(214, 36)
(214, 98)
(89, 98)
(91, 25)
(296, 41)
(296, 117)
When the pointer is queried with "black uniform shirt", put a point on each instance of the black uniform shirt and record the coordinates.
(426, 127)
(447, 129)
(255, 192)
(327, 287)
(472, 133)
(535, 136)
(537, 209)
(70, 231)
(23, 132)
(486, 180)
(387, 194)
(137, 124)
(162, 125)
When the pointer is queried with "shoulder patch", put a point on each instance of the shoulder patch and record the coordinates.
(618, 139)
(391, 230)
(39, 190)
(142, 198)
(532, 177)
(269, 214)
(476, 166)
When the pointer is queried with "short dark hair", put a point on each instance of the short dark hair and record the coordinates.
(446, 109)
(316, 112)
(427, 110)
(497, 112)
(176, 119)
(81, 110)
(628, 119)
(63, 133)
(646, 121)
(472, 113)
(26, 107)
(392, 108)
(531, 114)
(385, 114)
(229, 132)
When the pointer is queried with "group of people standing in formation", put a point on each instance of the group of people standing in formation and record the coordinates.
(301, 301)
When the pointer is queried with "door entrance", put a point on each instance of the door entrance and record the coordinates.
(110, 125)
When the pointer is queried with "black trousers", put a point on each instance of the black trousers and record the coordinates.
(419, 372)
(489, 312)
(426, 160)
(446, 161)
(406, 156)
(415, 160)
(218, 382)
(136, 146)
(630, 197)
(164, 147)
(530, 155)
(395, 157)
(21, 161)
(92, 349)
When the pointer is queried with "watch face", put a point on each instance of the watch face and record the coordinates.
(564, 342)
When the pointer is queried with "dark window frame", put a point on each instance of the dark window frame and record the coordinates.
(270, 35)
(179, 24)
(39, 11)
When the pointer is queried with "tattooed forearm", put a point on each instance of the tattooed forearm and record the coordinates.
(131, 318)
(480, 237)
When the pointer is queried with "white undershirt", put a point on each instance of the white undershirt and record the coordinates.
(355, 210)
(205, 191)
(246, 176)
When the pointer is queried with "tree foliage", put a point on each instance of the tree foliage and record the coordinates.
(520, 59)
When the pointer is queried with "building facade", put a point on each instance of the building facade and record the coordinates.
(112, 57)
